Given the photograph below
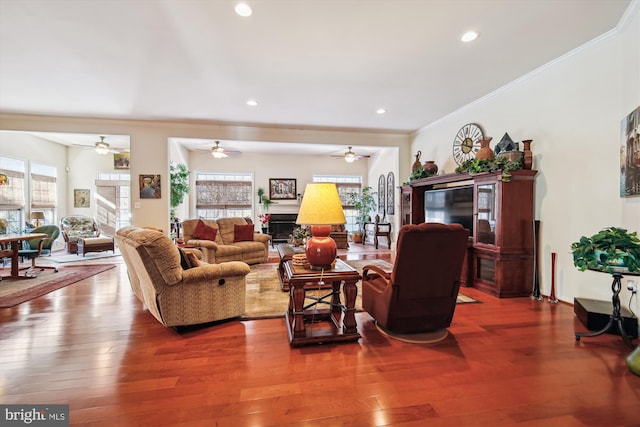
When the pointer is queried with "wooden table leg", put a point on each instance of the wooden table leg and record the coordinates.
(349, 325)
(297, 297)
(335, 296)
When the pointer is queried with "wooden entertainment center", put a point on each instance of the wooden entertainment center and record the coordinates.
(500, 259)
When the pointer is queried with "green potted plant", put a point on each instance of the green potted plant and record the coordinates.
(178, 184)
(363, 203)
(609, 249)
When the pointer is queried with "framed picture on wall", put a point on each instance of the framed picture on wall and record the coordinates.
(630, 155)
(150, 186)
(121, 160)
(282, 189)
(81, 198)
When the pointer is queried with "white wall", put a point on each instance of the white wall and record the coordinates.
(21, 146)
(150, 151)
(265, 166)
(572, 109)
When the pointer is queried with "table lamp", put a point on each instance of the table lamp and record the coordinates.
(37, 216)
(320, 209)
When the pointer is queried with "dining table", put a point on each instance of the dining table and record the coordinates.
(9, 247)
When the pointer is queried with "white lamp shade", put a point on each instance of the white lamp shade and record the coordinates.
(321, 205)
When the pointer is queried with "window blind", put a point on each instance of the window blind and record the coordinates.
(345, 189)
(12, 195)
(43, 192)
(211, 194)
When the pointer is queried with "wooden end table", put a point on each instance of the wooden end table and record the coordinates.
(337, 323)
(286, 252)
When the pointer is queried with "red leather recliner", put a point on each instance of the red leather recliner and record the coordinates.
(420, 293)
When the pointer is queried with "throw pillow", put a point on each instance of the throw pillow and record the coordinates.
(243, 233)
(193, 259)
(204, 231)
(184, 260)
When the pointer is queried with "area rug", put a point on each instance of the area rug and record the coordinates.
(266, 300)
(14, 292)
(64, 257)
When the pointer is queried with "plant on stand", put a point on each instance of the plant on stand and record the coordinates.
(179, 186)
(363, 203)
(607, 250)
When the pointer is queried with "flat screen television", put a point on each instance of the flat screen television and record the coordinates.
(450, 206)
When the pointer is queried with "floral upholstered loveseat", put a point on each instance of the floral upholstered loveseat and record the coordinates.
(75, 227)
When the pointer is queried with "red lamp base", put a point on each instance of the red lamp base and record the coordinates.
(321, 250)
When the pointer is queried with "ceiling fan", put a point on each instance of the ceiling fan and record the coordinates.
(220, 153)
(102, 147)
(350, 157)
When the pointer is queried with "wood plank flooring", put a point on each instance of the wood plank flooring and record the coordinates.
(506, 362)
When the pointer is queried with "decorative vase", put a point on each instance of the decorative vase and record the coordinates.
(430, 167)
(416, 164)
(264, 230)
(528, 155)
(485, 152)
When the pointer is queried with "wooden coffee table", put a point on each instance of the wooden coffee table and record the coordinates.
(286, 252)
(337, 323)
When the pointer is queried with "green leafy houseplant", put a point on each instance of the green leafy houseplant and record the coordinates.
(363, 203)
(609, 248)
(179, 185)
(474, 166)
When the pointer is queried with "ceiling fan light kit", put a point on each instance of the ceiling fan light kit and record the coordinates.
(102, 147)
(349, 156)
(218, 152)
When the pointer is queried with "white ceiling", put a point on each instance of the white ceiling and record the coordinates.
(308, 63)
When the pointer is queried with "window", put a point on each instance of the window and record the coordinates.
(113, 201)
(223, 195)
(43, 191)
(346, 185)
(12, 199)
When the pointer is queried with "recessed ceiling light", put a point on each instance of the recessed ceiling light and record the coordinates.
(381, 110)
(243, 9)
(252, 102)
(469, 36)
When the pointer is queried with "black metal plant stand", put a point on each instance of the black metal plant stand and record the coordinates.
(616, 317)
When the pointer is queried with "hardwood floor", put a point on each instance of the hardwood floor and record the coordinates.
(506, 362)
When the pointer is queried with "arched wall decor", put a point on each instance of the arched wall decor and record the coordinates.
(381, 199)
(391, 183)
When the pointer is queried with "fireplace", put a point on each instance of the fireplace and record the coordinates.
(281, 226)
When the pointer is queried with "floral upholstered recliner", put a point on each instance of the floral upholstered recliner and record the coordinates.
(74, 227)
